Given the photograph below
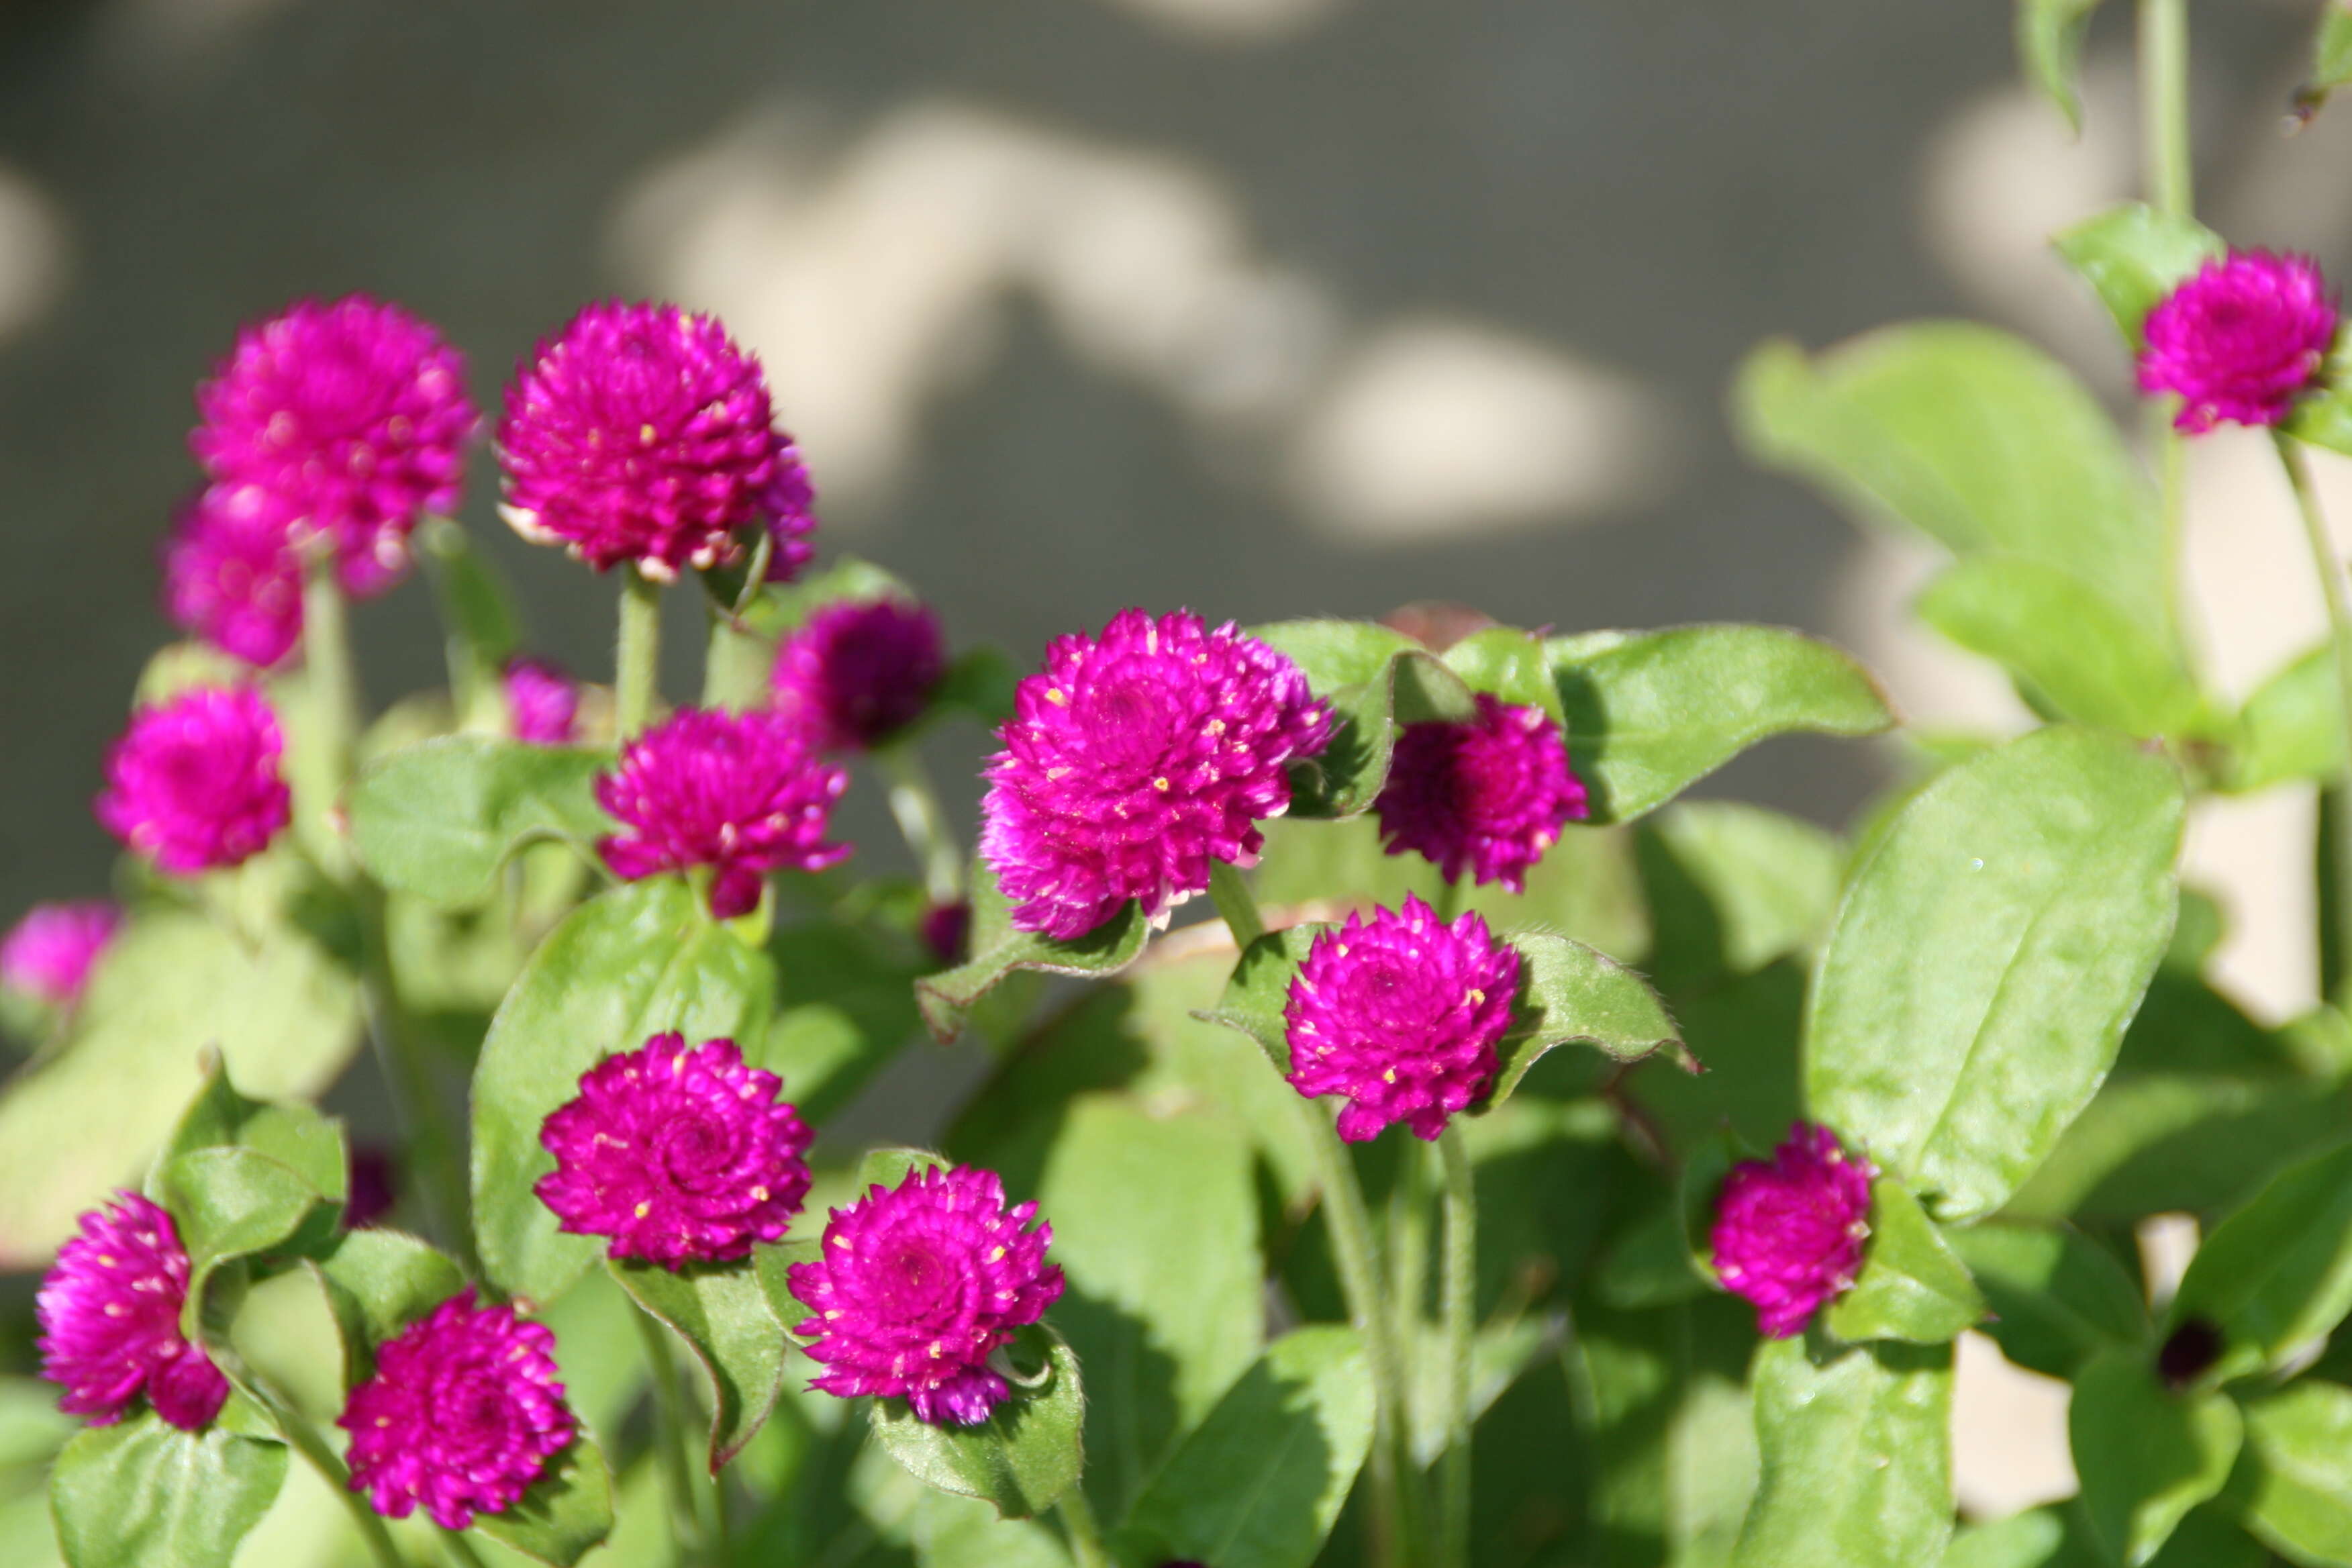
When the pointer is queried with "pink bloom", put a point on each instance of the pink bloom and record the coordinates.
(232, 575)
(1788, 1232)
(353, 416)
(742, 793)
(542, 702)
(49, 954)
(2241, 340)
(1400, 1014)
(642, 434)
(194, 784)
(1487, 798)
(462, 1414)
(680, 1156)
(109, 1317)
(1135, 760)
(917, 1285)
(860, 671)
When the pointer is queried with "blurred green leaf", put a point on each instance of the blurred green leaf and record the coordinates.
(2038, 1538)
(565, 1514)
(229, 1203)
(725, 1318)
(980, 682)
(1375, 679)
(1912, 1286)
(846, 1009)
(1023, 1456)
(1733, 886)
(2278, 1273)
(309, 1145)
(2300, 1497)
(2057, 1298)
(2293, 726)
(478, 619)
(438, 819)
(2331, 58)
(1857, 1465)
(143, 1494)
(998, 950)
(2146, 1457)
(2050, 47)
(2133, 255)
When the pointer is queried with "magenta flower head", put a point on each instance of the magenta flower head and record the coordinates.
(109, 1317)
(1134, 760)
(1487, 798)
(1400, 1014)
(353, 414)
(542, 702)
(2241, 340)
(462, 1414)
(742, 793)
(194, 784)
(232, 575)
(49, 954)
(1788, 1231)
(859, 672)
(917, 1285)
(680, 1156)
(642, 434)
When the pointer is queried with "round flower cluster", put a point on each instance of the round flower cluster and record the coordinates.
(49, 954)
(1400, 1014)
(110, 1319)
(916, 1287)
(231, 573)
(1137, 759)
(542, 702)
(1487, 798)
(2240, 340)
(677, 1155)
(861, 671)
(1788, 1232)
(463, 1414)
(194, 784)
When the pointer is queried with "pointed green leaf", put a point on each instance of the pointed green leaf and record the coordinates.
(1375, 679)
(1911, 1286)
(2050, 47)
(2278, 1273)
(1513, 665)
(1732, 887)
(2331, 58)
(377, 1283)
(143, 1494)
(309, 1145)
(439, 818)
(998, 950)
(1857, 1457)
(2300, 1442)
(1023, 1456)
(565, 1514)
(228, 1204)
(2057, 1298)
(723, 1315)
(2293, 726)
(2133, 255)
(2146, 1457)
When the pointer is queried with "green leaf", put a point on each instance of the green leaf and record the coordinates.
(438, 819)
(633, 962)
(888, 1167)
(998, 950)
(1857, 1457)
(2300, 1440)
(143, 1494)
(2278, 1273)
(478, 619)
(2037, 1539)
(2065, 639)
(1375, 679)
(2040, 879)
(2323, 416)
(2050, 47)
(1023, 1456)
(1261, 1482)
(723, 1315)
(2331, 59)
(1651, 713)
(845, 1008)
(2293, 726)
(377, 1283)
(980, 682)
(1513, 665)
(782, 607)
(1911, 1287)
(228, 1204)
(2146, 1457)
(2057, 1298)
(296, 1136)
(1672, 1429)
(2133, 255)
(1733, 886)
(565, 1514)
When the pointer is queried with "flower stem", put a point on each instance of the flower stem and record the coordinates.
(419, 1106)
(2168, 173)
(332, 728)
(1460, 1291)
(672, 1434)
(311, 1444)
(1087, 1549)
(1450, 896)
(461, 1551)
(1235, 903)
(636, 657)
(916, 805)
(2339, 632)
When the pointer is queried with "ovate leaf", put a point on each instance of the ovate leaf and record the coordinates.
(2133, 255)
(438, 819)
(2146, 1457)
(144, 1493)
(724, 1317)
(1911, 1286)
(1023, 1456)
(2057, 1298)
(2278, 1273)
(998, 950)
(227, 1203)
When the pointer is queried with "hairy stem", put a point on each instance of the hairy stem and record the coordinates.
(636, 657)
(2330, 572)
(311, 1444)
(1235, 902)
(1077, 1515)
(915, 803)
(673, 1437)
(2168, 173)
(1460, 1290)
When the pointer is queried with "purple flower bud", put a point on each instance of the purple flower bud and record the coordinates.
(680, 1156)
(109, 1317)
(1788, 1232)
(194, 784)
(1135, 760)
(860, 671)
(1487, 798)
(2241, 340)
(916, 1287)
(373, 1188)
(49, 954)
(542, 702)
(945, 927)
(1400, 1014)
(232, 575)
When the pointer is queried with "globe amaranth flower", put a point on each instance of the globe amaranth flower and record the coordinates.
(1788, 1231)
(353, 414)
(1487, 798)
(1400, 1014)
(1136, 759)
(680, 1156)
(642, 434)
(742, 793)
(49, 954)
(232, 575)
(109, 1318)
(463, 1414)
(860, 671)
(542, 702)
(917, 1285)
(2241, 340)
(194, 784)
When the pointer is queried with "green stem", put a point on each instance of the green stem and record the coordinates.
(734, 665)
(311, 1444)
(332, 731)
(1460, 1291)
(2330, 573)
(1087, 1549)
(420, 1108)
(672, 1434)
(2168, 172)
(915, 806)
(1450, 895)
(1236, 903)
(461, 1551)
(636, 657)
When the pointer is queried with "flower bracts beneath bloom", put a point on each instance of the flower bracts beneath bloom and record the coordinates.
(741, 794)
(2240, 340)
(463, 1414)
(109, 1318)
(1135, 760)
(194, 784)
(859, 672)
(1487, 798)
(232, 575)
(542, 702)
(49, 954)
(1400, 1014)
(1788, 1232)
(915, 1285)
(677, 1155)
(641, 434)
